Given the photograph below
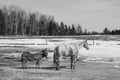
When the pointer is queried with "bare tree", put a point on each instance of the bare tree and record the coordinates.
(79, 29)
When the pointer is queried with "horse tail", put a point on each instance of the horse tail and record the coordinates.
(55, 55)
(24, 56)
(54, 58)
(21, 57)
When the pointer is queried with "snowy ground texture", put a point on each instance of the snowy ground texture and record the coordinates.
(100, 48)
(101, 62)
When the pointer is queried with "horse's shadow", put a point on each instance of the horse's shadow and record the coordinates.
(51, 68)
(47, 68)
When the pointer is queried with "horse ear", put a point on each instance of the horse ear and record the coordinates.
(45, 49)
(42, 49)
(86, 40)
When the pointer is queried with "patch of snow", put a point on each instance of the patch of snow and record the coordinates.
(101, 49)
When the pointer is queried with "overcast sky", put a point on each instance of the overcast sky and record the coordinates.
(94, 15)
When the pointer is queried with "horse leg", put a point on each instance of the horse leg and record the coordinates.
(22, 61)
(22, 65)
(25, 64)
(58, 67)
(74, 61)
(71, 62)
(38, 64)
(57, 64)
(59, 60)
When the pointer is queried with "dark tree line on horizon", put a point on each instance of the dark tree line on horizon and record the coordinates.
(16, 21)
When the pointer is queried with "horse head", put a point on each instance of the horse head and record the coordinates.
(85, 45)
(44, 53)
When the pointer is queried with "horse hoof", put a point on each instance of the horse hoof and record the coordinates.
(73, 70)
(57, 69)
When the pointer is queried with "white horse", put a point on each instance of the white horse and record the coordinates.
(71, 50)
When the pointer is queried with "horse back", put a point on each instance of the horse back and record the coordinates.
(74, 48)
(37, 56)
(24, 54)
(27, 55)
(63, 50)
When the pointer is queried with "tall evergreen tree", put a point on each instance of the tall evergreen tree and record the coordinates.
(62, 30)
(73, 30)
(79, 29)
(50, 28)
(106, 31)
(2, 23)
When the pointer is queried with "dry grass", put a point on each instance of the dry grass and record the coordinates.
(11, 70)
(10, 66)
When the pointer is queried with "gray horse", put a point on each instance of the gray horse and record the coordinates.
(27, 56)
(71, 50)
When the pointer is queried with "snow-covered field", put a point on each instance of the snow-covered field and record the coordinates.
(100, 62)
(100, 49)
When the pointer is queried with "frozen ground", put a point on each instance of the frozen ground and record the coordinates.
(101, 62)
(99, 49)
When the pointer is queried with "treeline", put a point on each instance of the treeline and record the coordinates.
(107, 31)
(16, 21)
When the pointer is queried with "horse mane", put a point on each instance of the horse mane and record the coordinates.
(81, 43)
